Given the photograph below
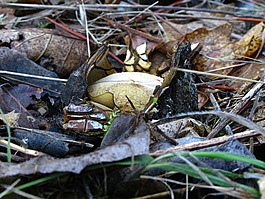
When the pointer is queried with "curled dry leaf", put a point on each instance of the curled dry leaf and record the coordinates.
(11, 118)
(171, 33)
(182, 128)
(64, 53)
(222, 48)
(202, 99)
(217, 45)
(124, 126)
(113, 89)
(213, 39)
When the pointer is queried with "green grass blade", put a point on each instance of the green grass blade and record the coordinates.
(220, 155)
(36, 182)
(231, 156)
(188, 170)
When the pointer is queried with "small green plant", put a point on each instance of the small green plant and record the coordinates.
(34, 183)
(211, 176)
(112, 116)
(217, 179)
(44, 25)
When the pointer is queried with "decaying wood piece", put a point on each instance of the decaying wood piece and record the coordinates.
(179, 85)
(237, 118)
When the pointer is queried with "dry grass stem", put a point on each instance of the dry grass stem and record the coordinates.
(206, 143)
(3, 72)
(21, 149)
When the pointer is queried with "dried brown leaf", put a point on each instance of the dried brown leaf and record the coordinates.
(11, 117)
(137, 144)
(182, 29)
(17, 99)
(64, 53)
(221, 48)
(212, 40)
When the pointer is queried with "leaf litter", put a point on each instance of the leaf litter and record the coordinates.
(36, 103)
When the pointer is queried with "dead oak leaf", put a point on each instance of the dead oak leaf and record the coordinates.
(216, 54)
(172, 31)
(176, 31)
(251, 41)
(213, 39)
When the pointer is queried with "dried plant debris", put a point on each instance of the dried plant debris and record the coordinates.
(181, 86)
(76, 87)
(125, 126)
(219, 55)
(134, 145)
(51, 143)
(18, 98)
(57, 127)
(228, 116)
(10, 118)
(231, 146)
(252, 70)
(218, 50)
(55, 50)
(182, 128)
(127, 189)
(14, 61)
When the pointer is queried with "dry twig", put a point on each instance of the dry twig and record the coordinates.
(206, 143)
(21, 149)
(236, 109)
